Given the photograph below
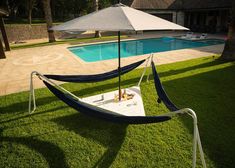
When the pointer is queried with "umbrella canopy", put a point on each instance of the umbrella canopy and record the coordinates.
(118, 18)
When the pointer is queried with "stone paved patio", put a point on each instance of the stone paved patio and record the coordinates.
(15, 70)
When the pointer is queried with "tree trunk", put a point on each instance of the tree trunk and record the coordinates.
(31, 5)
(96, 8)
(229, 49)
(30, 8)
(30, 17)
(48, 18)
(4, 34)
(2, 53)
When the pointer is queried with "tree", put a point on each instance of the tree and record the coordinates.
(96, 8)
(229, 48)
(48, 17)
(30, 6)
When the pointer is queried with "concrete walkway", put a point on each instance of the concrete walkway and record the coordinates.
(57, 59)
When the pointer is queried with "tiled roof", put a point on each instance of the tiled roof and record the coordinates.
(178, 4)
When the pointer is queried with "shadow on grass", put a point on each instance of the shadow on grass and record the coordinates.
(53, 154)
(108, 134)
(31, 115)
(23, 106)
(212, 96)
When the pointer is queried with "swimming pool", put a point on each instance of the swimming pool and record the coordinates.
(106, 51)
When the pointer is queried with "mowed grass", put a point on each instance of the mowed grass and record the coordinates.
(58, 136)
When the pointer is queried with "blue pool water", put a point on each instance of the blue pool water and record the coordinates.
(106, 51)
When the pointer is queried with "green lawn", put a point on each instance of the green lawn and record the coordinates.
(58, 136)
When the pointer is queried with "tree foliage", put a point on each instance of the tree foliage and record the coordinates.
(62, 10)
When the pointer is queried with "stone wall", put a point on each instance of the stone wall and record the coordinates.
(21, 32)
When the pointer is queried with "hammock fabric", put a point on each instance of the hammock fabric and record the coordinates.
(96, 77)
(161, 92)
(101, 113)
(112, 116)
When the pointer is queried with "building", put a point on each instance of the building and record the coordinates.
(210, 16)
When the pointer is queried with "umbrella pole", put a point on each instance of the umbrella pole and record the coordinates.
(119, 67)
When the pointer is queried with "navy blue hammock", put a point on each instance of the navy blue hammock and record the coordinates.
(104, 114)
(96, 77)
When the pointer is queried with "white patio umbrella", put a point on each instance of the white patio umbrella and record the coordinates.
(118, 18)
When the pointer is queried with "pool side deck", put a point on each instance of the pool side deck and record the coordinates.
(57, 59)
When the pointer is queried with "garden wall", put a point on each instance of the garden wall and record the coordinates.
(21, 32)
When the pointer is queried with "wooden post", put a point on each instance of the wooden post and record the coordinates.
(4, 34)
(2, 53)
